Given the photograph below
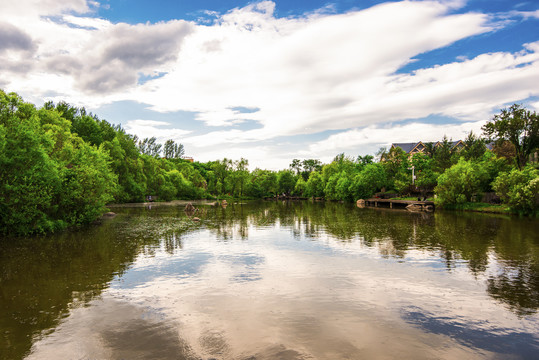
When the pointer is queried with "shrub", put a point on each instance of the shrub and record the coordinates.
(519, 189)
(458, 183)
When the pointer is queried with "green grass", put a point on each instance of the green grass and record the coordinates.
(482, 207)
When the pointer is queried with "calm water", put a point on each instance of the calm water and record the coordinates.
(274, 281)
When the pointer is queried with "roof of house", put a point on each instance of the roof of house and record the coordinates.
(407, 147)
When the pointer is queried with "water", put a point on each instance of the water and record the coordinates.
(274, 281)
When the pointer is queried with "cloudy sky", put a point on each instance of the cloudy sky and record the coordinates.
(276, 80)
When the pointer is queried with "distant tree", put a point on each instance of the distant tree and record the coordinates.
(171, 150)
(517, 125)
(372, 178)
(442, 156)
(315, 185)
(310, 165)
(295, 165)
(474, 147)
(430, 149)
(365, 160)
(286, 182)
(381, 154)
(300, 187)
(149, 146)
(505, 150)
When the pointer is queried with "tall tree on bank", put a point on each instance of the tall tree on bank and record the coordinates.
(518, 126)
(171, 150)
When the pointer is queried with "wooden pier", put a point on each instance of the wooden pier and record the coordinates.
(409, 204)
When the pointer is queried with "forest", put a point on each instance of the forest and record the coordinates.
(60, 166)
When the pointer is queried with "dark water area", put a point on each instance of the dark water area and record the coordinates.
(272, 280)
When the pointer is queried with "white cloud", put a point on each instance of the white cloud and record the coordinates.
(359, 140)
(151, 128)
(322, 71)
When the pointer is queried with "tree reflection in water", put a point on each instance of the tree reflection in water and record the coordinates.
(43, 278)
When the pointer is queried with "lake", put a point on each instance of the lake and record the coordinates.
(274, 280)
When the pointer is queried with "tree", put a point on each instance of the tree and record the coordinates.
(458, 183)
(310, 165)
(149, 146)
(365, 160)
(519, 189)
(442, 156)
(315, 185)
(171, 150)
(474, 147)
(365, 184)
(517, 125)
(296, 166)
(286, 181)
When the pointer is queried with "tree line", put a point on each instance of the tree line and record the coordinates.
(60, 166)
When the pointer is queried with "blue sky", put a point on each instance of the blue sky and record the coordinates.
(271, 81)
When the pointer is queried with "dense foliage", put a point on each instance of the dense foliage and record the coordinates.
(60, 166)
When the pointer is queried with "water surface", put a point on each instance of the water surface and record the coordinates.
(274, 281)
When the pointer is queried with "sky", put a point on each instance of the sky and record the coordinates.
(271, 81)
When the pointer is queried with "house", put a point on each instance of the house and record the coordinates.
(419, 147)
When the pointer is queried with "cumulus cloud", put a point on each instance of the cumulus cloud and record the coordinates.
(114, 55)
(307, 74)
(13, 38)
(356, 139)
(151, 128)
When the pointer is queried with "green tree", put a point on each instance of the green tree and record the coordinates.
(315, 185)
(519, 189)
(443, 159)
(474, 147)
(171, 150)
(457, 185)
(371, 179)
(286, 182)
(517, 125)
(397, 166)
(150, 147)
(295, 165)
(300, 187)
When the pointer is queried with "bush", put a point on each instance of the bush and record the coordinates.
(519, 189)
(458, 183)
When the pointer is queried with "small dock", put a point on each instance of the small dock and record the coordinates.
(392, 203)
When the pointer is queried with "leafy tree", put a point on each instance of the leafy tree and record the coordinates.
(458, 184)
(426, 178)
(150, 147)
(443, 156)
(517, 125)
(286, 182)
(365, 160)
(240, 175)
(311, 165)
(474, 147)
(371, 179)
(300, 187)
(315, 185)
(397, 165)
(88, 129)
(519, 189)
(49, 177)
(342, 188)
(171, 150)
(295, 165)
(330, 191)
